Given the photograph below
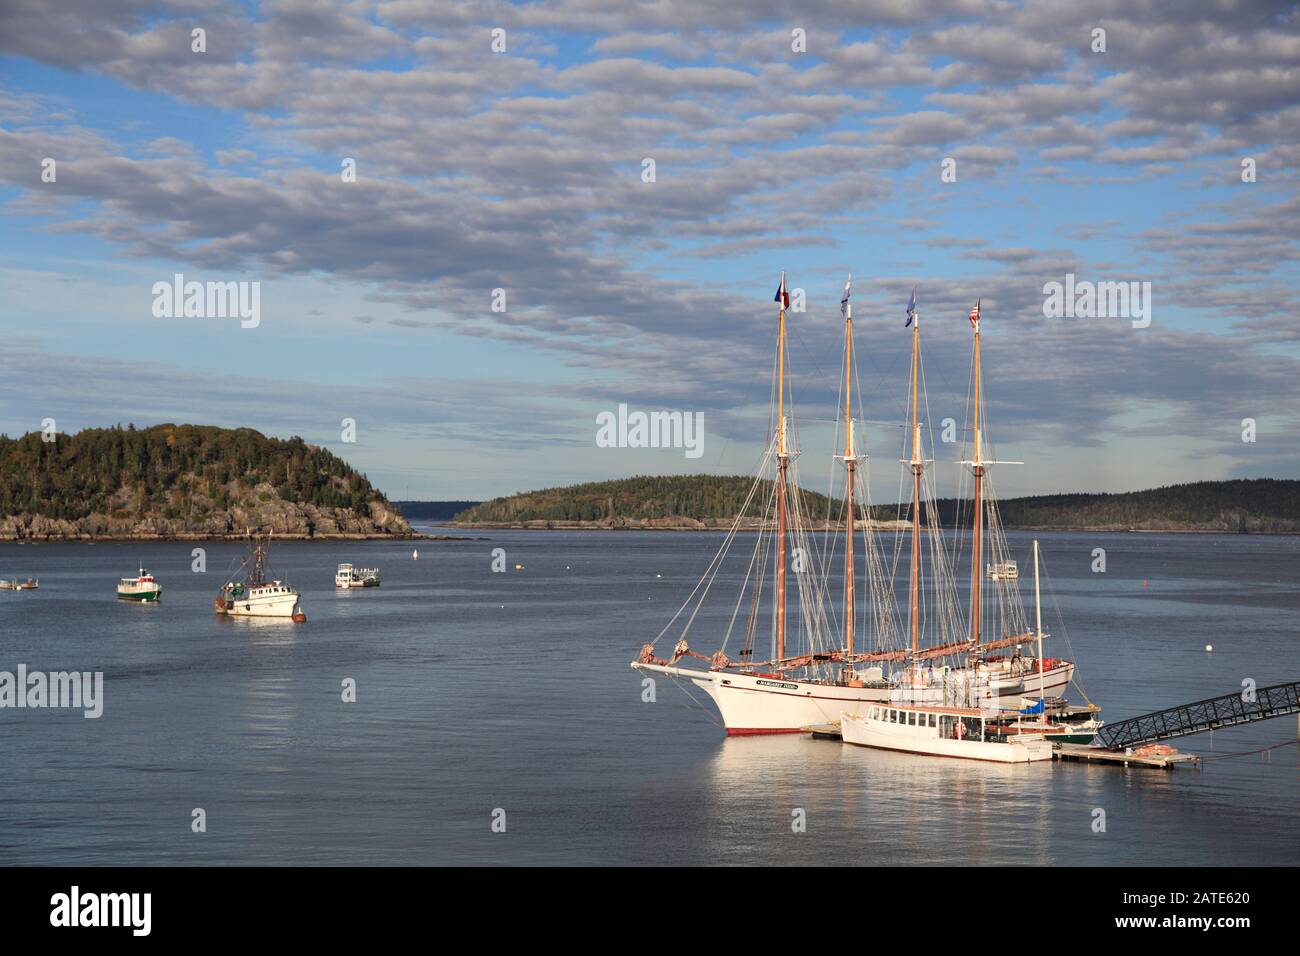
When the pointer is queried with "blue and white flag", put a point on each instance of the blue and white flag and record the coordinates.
(911, 309)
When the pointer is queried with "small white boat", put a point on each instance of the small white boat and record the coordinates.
(415, 554)
(348, 576)
(1003, 571)
(941, 731)
(144, 587)
(31, 584)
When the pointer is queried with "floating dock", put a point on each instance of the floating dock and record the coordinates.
(1101, 755)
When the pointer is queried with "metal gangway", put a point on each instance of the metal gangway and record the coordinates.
(1226, 711)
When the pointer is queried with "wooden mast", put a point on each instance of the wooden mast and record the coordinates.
(977, 524)
(917, 465)
(850, 462)
(1038, 629)
(782, 460)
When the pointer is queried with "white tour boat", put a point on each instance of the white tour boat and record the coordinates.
(942, 731)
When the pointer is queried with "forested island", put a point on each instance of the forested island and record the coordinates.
(689, 502)
(184, 481)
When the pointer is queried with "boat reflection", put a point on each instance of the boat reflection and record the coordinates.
(895, 808)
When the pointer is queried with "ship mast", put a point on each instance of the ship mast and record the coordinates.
(977, 523)
(1038, 628)
(850, 462)
(782, 461)
(918, 466)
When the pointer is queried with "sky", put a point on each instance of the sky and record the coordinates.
(970, 151)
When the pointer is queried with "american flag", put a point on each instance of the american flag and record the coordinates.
(975, 315)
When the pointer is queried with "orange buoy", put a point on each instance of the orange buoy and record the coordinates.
(299, 618)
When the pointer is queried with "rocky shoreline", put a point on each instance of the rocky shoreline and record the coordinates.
(267, 514)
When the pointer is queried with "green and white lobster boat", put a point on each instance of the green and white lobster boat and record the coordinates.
(145, 587)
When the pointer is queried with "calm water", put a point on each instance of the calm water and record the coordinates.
(479, 690)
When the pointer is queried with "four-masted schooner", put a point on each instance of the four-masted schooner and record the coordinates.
(825, 667)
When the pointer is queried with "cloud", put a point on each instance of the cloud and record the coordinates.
(523, 171)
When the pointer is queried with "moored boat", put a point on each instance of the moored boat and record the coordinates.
(942, 731)
(144, 588)
(837, 673)
(256, 594)
(348, 576)
(1004, 571)
(31, 584)
(829, 672)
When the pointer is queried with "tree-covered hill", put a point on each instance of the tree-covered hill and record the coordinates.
(1245, 505)
(1238, 505)
(687, 497)
(183, 480)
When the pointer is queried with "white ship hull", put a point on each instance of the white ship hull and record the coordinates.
(276, 604)
(1054, 683)
(766, 704)
(865, 731)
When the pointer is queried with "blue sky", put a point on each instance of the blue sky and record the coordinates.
(522, 170)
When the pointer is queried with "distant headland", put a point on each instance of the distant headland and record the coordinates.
(704, 502)
(184, 482)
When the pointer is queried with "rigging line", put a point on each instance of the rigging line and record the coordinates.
(1060, 618)
(811, 356)
(704, 709)
(725, 547)
(1216, 755)
(711, 569)
(740, 596)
